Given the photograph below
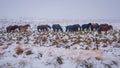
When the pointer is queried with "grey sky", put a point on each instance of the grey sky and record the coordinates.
(60, 9)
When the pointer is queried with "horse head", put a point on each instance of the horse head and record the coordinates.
(48, 26)
(27, 25)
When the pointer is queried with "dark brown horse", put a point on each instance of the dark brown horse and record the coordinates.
(94, 26)
(105, 27)
(43, 28)
(23, 28)
(12, 28)
(110, 27)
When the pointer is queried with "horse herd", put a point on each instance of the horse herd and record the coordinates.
(69, 28)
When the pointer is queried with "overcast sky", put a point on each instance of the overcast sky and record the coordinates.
(60, 9)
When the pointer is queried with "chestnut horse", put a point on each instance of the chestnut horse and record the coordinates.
(23, 28)
(105, 27)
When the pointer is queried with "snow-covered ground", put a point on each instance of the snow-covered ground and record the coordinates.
(59, 49)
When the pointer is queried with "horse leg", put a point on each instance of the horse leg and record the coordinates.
(92, 28)
(53, 29)
(7, 30)
(61, 30)
(99, 31)
(106, 32)
(57, 30)
(82, 29)
(66, 30)
(19, 29)
(46, 29)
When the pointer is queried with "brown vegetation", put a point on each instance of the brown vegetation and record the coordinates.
(19, 50)
(29, 52)
(54, 42)
(99, 58)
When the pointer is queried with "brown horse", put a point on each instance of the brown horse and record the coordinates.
(23, 28)
(11, 28)
(110, 27)
(94, 26)
(105, 27)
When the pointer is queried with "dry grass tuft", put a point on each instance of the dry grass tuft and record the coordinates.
(105, 40)
(76, 41)
(1, 44)
(119, 40)
(64, 41)
(17, 42)
(36, 42)
(36, 38)
(67, 47)
(19, 50)
(19, 38)
(29, 52)
(114, 62)
(114, 39)
(94, 49)
(104, 45)
(99, 58)
(14, 55)
(59, 60)
(87, 48)
(54, 42)
(44, 39)
(9, 43)
(26, 42)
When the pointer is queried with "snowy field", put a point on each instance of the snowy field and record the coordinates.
(59, 49)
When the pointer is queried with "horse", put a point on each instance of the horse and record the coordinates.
(104, 27)
(86, 26)
(77, 27)
(69, 28)
(94, 26)
(110, 27)
(57, 27)
(11, 28)
(43, 28)
(72, 28)
(28, 25)
(23, 28)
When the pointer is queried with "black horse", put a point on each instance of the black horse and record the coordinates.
(43, 28)
(77, 27)
(86, 26)
(57, 27)
(28, 25)
(12, 28)
(71, 28)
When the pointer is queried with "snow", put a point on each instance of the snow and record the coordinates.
(72, 54)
